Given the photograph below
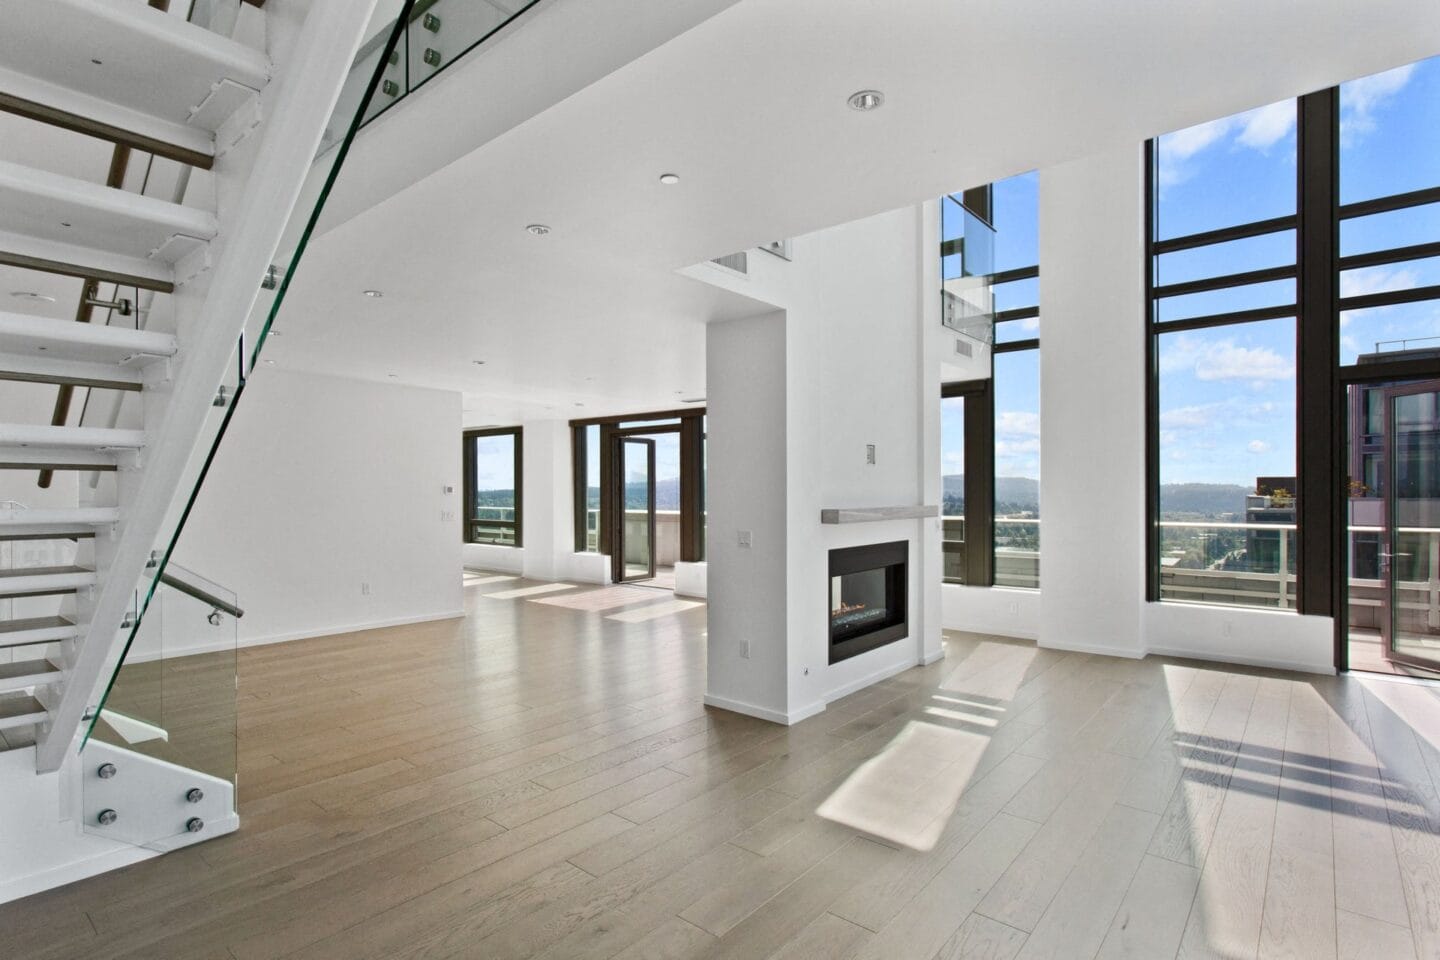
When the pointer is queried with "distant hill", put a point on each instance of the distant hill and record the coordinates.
(1012, 494)
(1201, 499)
(1204, 499)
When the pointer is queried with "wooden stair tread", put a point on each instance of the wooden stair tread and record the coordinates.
(33, 623)
(13, 707)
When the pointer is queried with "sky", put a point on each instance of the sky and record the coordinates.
(495, 459)
(1228, 394)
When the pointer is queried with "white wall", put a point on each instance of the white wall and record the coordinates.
(853, 374)
(745, 363)
(326, 484)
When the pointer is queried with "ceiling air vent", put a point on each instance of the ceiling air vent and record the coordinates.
(735, 261)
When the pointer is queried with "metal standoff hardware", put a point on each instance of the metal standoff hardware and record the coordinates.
(107, 817)
(194, 795)
(106, 771)
(194, 825)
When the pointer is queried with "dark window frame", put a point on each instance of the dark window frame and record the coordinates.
(689, 424)
(467, 532)
(1321, 380)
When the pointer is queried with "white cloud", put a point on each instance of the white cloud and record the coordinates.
(1181, 145)
(1263, 128)
(1016, 423)
(1258, 446)
(1358, 283)
(1226, 361)
(1359, 99)
(1192, 418)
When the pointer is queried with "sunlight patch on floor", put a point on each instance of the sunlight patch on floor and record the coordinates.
(530, 591)
(654, 611)
(607, 598)
(1000, 680)
(476, 579)
(907, 792)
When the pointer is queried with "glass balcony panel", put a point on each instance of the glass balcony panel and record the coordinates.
(1244, 564)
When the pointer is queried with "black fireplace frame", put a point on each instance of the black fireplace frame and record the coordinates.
(894, 559)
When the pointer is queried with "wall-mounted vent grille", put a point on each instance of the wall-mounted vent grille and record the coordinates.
(738, 262)
(963, 348)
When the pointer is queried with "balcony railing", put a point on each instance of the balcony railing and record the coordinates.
(1264, 577)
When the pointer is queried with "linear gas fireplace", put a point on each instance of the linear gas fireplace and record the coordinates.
(867, 597)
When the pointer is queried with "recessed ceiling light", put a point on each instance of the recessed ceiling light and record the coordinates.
(98, 63)
(669, 178)
(271, 362)
(374, 294)
(538, 229)
(693, 400)
(478, 363)
(31, 296)
(392, 376)
(578, 404)
(65, 223)
(864, 100)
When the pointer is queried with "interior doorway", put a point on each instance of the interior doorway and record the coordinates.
(1392, 620)
(652, 499)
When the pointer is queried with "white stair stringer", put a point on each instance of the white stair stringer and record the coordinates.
(257, 188)
(150, 800)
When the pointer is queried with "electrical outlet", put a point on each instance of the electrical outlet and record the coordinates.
(744, 538)
(364, 589)
(870, 454)
(1227, 628)
(745, 649)
(446, 516)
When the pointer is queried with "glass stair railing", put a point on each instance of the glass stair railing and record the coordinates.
(170, 709)
(346, 118)
(967, 259)
(434, 34)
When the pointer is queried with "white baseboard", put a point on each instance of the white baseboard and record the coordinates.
(867, 680)
(930, 658)
(1327, 670)
(1095, 648)
(70, 872)
(763, 713)
(329, 631)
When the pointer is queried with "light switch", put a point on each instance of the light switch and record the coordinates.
(744, 538)
(870, 453)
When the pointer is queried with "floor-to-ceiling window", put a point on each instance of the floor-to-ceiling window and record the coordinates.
(990, 454)
(493, 486)
(1294, 273)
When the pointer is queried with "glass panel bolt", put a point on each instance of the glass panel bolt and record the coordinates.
(107, 817)
(106, 771)
(194, 825)
(431, 23)
(194, 795)
(432, 56)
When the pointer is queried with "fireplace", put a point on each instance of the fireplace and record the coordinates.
(867, 597)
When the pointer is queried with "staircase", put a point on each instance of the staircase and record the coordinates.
(213, 113)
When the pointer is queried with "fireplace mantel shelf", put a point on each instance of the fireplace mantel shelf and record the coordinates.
(872, 514)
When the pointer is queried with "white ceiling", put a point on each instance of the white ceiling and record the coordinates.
(748, 107)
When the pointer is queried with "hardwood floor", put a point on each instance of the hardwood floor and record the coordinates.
(541, 780)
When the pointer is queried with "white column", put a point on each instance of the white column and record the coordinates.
(1092, 404)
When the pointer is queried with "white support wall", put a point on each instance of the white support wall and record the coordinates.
(851, 372)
